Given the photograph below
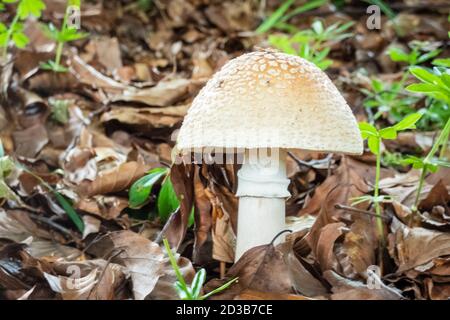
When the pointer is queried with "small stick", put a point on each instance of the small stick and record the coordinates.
(343, 207)
(223, 269)
(52, 224)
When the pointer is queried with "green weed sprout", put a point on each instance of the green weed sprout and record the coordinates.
(434, 84)
(279, 18)
(7, 165)
(310, 44)
(14, 32)
(374, 138)
(193, 291)
(167, 201)
(65, 34)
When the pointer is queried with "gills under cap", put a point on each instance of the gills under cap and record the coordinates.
(269, 99)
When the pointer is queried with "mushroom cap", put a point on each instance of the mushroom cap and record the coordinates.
(268, 99)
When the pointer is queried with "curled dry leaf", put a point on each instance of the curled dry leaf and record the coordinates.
(346, 289)
(115, 180)
(417, 246)
(29, 142)
(146, 120)
(142, 258)
(164, 94)
(164, 289)
(89, 280)
(106, 207)
(264, 268)
(17, 226)
(182, 177)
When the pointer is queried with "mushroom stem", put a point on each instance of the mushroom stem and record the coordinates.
(262, 189)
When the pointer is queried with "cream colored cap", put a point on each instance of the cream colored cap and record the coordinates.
(269, 99)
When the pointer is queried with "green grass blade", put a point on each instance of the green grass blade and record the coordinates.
(73, 215)
(274, 17)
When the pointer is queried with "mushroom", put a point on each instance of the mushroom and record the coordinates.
(262, 104)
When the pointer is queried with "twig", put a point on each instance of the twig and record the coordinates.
(53, 224)
(344, 207)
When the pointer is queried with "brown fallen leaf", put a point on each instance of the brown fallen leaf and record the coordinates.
(88, 75)
(164, 289)
(438, 195)
(29, 142)
(346, 289)
(413, 247)
(164, 94)
(113, 181)
(106, 207)
(88, 280)
(261, 268)
(145, 120)
(258, 295)
(182, 179)
(17, 226)
(142, 258)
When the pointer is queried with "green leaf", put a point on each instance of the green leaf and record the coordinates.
(440, 163)
(6, 166)
(425, 75)
(274, 17)
(182, 292)
(417, 163)
(70, 34)
(408, 122)
(428, 56)
(374, 144)
(442, 62)
(6, 192)
(309, 5)
(367, 130)
(422, 87)
(197, 283)
(182, 283)
(219, 289)
(141, 189)
(2, 150)
(73, 215)
(167, 201)
(53, 66)
(398, 55)
(389, 133)
(20, 40)
(28, 8)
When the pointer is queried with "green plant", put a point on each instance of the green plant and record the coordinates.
(374, 139)
(167, 201)
(63, 35)
(280, 16)
(312, 44)
(193, 291)
(384, 7)
(391, 101)
(388, 99)
(60, 110)
(14, 32)
(7, 165)
(436, 85)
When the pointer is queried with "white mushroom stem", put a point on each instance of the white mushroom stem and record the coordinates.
(262, 189)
